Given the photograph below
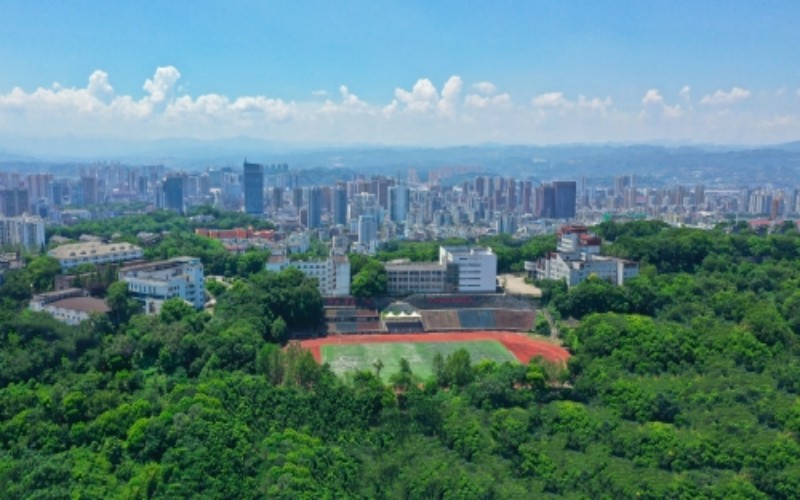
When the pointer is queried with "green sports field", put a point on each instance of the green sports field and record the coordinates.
(345, 358)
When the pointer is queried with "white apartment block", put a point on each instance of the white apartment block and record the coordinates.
(75, 254)
(155, 282)
(332, 274)
(578, 257)
(576, 267)
(24, 231)
(477, 267)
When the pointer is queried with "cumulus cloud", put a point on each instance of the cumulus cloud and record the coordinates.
(455, 112)
(98, 85)
(556, 100)
(550, 100)
(450, 93)
(425, 98)
(422, 97)
(483, 102)
(348, 98)
(350, 103)
(652, 96)
(653, 100)
(720, 97)
(486, 88)
(161, 85)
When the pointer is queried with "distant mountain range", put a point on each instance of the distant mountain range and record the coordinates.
(776, 164)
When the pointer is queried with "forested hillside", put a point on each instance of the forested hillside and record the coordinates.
(683, 384)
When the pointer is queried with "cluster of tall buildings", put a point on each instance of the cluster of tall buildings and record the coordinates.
(679, 201)
(46, 195)
(379, 208)
(22, 232)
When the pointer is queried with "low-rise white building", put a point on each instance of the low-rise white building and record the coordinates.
(574, 268)
(406, 278)
(75, 254)
(578, 257)
(24, 231)
(332, 274)
(154, 282)
(70, 306)
(477, 267)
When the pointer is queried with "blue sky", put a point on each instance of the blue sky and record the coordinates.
(410, 72)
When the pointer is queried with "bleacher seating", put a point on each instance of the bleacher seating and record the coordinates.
(509, 319)
(440, 320)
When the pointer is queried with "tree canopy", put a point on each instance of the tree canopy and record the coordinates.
(684, 383)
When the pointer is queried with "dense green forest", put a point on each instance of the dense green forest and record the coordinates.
(683, 384)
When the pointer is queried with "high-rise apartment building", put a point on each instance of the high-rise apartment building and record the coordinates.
(398, 203)
(14, 202)
(297, 197)
(565, 198)
(173, 193)
(89, 191)
(314, 208)
(367, 231)
(556, 200)
(253, 188)
(339, 211)
(24, 231)
(277, 198)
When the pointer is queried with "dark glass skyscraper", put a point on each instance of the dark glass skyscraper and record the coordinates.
(340, 205)
(173, 188)
(565, 198)
(556, 200)
(314, 207)
(253, 188)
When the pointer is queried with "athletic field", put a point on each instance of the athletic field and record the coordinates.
(346, 353)
(346, 358)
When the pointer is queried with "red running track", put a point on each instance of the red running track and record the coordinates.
(522, 346)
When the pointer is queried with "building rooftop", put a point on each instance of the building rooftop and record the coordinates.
(92, 248)
(58, 293)
(82, 304)
(414, 266)
(160, 265)
(464, 250)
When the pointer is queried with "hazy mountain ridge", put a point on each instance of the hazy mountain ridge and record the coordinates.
(775, 163)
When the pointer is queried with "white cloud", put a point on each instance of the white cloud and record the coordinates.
(653, 100)
(779, 121)
(349, 99)
(672, 111)
(550, 100)
(350, 103)
(98, 85)
(720, 97)
(422, 97)
(450, 93)
(483, 102)
(160, 87)
(486, 88)
(421, 114)
(652, 96)
(556, 100)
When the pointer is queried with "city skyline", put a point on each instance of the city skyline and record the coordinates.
(406, 73)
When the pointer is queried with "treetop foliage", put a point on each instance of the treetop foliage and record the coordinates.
(684, 383)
